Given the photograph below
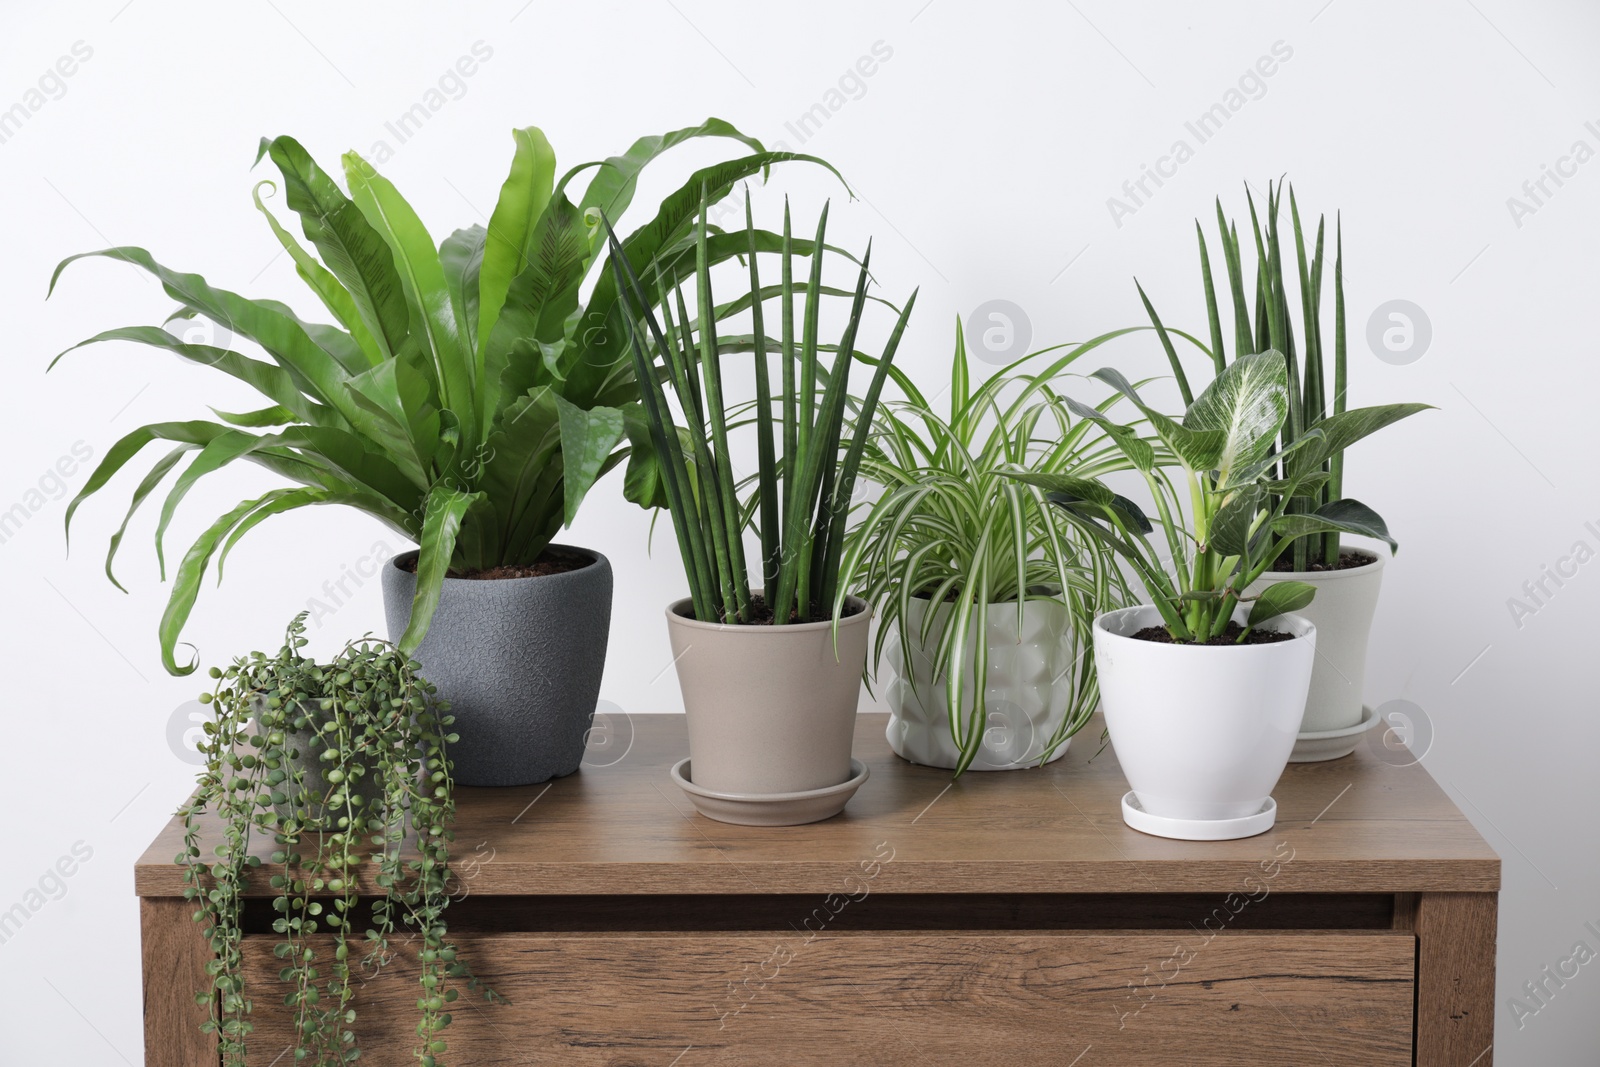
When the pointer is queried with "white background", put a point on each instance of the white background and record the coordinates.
(983, 151)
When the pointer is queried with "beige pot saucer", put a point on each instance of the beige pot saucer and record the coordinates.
(771, 809)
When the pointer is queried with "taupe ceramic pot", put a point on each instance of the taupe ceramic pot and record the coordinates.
(771, 709)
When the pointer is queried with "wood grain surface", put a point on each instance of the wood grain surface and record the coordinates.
(1353, 825)
(1262, 999)
(1455, 987)
(174, 956)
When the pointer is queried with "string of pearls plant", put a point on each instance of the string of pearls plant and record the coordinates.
(336, 763)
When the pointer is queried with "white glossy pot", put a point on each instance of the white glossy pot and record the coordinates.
(1201, 732)
(1025, 703)
(1342, 612)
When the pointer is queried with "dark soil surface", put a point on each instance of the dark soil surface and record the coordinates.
(1230, 636)
(551, 562)
(761, 615)
(1347, 560)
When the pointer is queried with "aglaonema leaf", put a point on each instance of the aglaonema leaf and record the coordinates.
(1337, 516)
(1247, 403)
(1278, 598)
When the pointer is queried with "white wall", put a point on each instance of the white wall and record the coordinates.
(984, 150)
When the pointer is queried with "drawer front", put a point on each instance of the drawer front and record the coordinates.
(1018, 999)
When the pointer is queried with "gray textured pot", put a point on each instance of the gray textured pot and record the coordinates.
(519, 660)
(771, 709)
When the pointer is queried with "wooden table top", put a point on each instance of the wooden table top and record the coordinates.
(1352, 825)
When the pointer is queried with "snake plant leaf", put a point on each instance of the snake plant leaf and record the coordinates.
(442, 524)
(350, 248)
(1338, 516)
(587, 439)
(1247, 403)
(514, 227)
(1231, 527)
(1278, 598)
(1166, 346)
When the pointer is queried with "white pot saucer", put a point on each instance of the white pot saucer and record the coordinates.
(1197, 829)
(1314, 746)
(771, 809)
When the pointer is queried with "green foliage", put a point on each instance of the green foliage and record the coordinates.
(950, 527)
(1315, 386)
(469, 395)
(801, 500)
(1240, 517)
(333, 762)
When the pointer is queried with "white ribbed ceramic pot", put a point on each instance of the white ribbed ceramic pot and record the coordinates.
(1027, 691)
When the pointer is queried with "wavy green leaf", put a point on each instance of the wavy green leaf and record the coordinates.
(436, 547)
(513, 234)
(353, 251)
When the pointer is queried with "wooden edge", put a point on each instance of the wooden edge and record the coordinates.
(175, 954)
(1456, 934)
(714, 877)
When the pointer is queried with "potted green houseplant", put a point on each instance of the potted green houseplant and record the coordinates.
(1202, 697)
(337, 765)
(469, 397)
(985, 595)
(1347, 577)
(770, 675)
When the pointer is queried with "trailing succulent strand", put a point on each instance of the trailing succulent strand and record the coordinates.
(334, 763)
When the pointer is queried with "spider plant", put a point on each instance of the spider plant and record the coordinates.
(470, 395)
(1240, 517)
(800, 501)
(950, 528)
(1316, 384)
